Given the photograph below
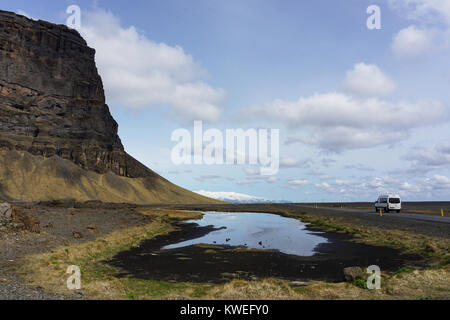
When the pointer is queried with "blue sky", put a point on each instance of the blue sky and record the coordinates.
(360, 112)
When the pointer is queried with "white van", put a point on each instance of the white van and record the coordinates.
(389, 203)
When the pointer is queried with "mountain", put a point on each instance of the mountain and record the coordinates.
(237, 197)
(58, 139)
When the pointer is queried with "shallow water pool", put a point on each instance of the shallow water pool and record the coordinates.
(256, 231)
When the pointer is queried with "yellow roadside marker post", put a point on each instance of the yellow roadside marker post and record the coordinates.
(381, 213)
(442, 212)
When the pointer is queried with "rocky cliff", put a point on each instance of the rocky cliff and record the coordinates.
(52, 106)
(52, 99)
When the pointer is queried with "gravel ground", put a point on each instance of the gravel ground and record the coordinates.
(11, 289)
(58, 226)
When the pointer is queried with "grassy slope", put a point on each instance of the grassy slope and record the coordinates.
(24, 177)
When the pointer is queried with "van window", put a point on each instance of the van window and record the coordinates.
(383, 200)
(394, 200)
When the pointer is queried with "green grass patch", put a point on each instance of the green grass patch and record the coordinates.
(360, 283)
(446, 260)
(207, 246)
(404, 270)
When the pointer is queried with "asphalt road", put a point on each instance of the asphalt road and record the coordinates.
(423, 217)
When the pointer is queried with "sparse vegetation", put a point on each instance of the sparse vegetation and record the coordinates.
(360, 283)
(39, 179)
(402, 271)
(434, 248)
(48, 270)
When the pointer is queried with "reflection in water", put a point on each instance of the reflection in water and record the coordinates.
(257, 231)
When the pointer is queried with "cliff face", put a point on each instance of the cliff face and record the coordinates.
(58, 139)
(52, 100)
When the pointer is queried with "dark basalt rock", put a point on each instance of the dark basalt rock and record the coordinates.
(52, 100)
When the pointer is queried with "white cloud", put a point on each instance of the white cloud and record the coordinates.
(384, 184)
(209, 178)
(438, 186)
(252, 171)
(298, 182)
(427, 159)
(419, 188)
(427, 11)
(342, 182)
(254, 176)
(391, 185)
(441, 180)
(422, 188)
(359, 166)
(336, 122)
(413, 42)
(432, 35)
(139, 73)
(272, 179)
(286, 163)
(408, 187)
(246, 182)
(367, 80)
(326, 186)
(231, 196)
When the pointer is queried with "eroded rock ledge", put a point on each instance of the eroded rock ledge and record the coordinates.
(52, 100)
